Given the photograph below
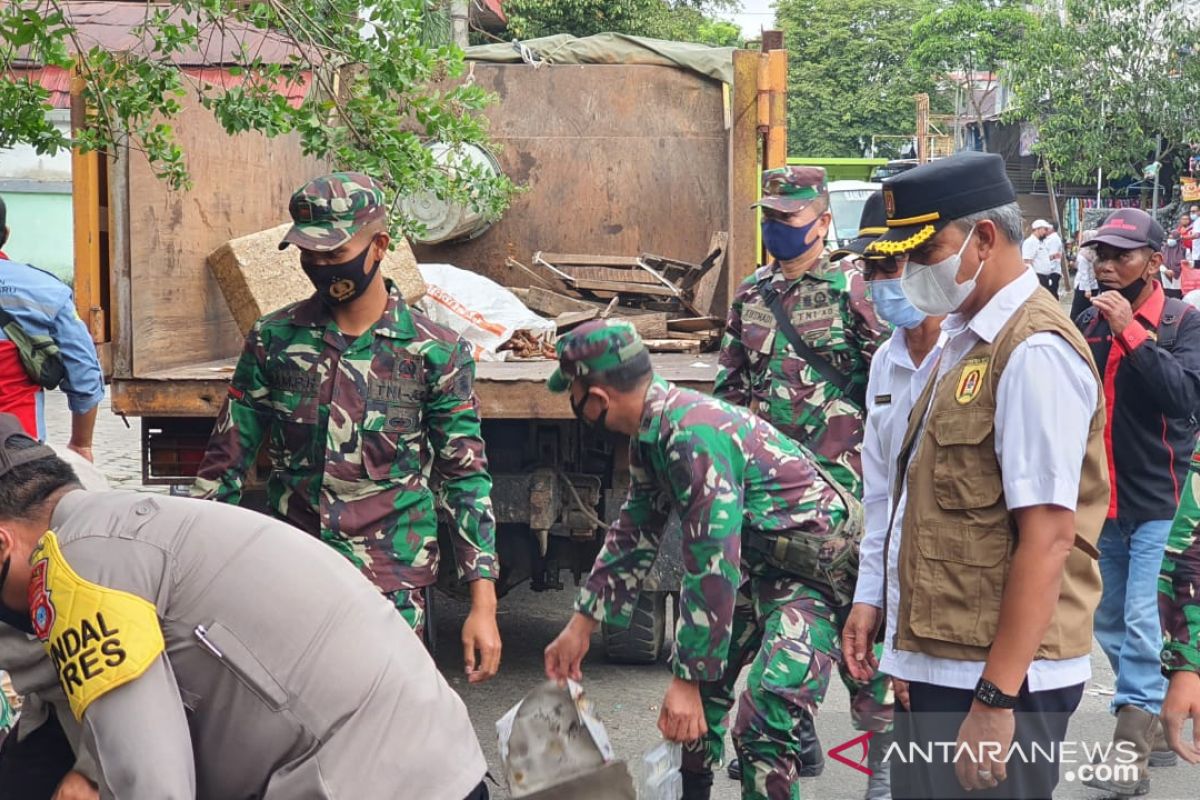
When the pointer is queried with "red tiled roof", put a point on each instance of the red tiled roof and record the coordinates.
(58, 82)
(109, 24)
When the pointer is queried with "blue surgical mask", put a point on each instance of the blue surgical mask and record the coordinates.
(784, 241)
(892, 304)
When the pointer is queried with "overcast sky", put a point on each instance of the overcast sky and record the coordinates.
(756, 15)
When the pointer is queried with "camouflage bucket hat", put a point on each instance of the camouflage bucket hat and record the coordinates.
(328, 211)
(791, 189)
(593, 349)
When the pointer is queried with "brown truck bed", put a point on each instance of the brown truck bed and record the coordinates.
(507, 389)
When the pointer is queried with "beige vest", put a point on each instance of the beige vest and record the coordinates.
(958, 535)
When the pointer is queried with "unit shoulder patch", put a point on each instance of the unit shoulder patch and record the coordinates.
(97, 638)
(970, 379)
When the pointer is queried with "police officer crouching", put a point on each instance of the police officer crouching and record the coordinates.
(212, 652)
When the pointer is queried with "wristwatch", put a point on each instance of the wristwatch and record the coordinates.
(989, 694)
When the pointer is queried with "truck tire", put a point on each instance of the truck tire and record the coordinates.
(642, 641)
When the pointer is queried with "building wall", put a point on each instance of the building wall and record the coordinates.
(37, 193)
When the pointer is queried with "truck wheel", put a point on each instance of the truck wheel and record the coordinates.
(642, 641)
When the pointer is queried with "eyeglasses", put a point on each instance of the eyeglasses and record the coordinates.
(885, 267)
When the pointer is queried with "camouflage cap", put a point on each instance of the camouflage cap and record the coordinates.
(791, 189)
(328, 211)
(595, 348)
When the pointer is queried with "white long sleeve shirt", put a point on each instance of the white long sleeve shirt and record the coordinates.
(894, 385)
(1044, 404)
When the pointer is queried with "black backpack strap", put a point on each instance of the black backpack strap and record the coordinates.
(1174, 311)
(855, 393)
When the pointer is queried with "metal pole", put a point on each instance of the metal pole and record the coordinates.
(1157, 156)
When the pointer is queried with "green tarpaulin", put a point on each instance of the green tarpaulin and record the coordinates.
(614, 48)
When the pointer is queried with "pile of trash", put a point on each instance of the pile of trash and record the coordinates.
(553, 747)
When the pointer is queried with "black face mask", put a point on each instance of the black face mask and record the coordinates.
(341, 283)
(1129, 292)
(578, 410)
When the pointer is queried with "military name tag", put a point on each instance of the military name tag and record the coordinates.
(758, 315)
(807, 316)
(883, 399)
(294, 380)
(401, 390)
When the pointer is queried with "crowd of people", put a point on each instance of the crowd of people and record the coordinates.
(914, 469)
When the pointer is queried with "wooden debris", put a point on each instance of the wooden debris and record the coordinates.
(648, 326)
(553, 282)
(572, 318)
(623, 287)
(671, 346)
(704, 288)
(700, 336)
(573, 260)
(552, 303)
(668, 301)
(524, 344)
(695, 324)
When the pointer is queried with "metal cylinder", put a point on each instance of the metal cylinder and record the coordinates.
(447, 221)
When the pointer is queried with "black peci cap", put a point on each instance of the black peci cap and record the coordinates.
(871, 225)
(920, 202)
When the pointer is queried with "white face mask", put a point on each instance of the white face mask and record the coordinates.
(934, 288)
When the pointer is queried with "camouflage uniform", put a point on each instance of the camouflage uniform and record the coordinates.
(355, 427)
(829, 308)
(6, 714)
(727, 473)
(1179, 583)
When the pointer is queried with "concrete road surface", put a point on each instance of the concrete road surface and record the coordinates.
(627, 698)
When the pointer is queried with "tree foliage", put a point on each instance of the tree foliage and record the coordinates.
(1105, 81)
(849, 77)
(965, 44)
(680, 20)
(378, 95)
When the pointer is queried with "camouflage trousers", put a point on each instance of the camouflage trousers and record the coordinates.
(411, 605)
(792, 649)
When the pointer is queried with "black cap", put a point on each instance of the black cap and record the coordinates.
(17, 447)
(871, 225)
(1129, 229)
(920, 202)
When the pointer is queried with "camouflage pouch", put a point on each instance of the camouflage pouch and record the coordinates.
(828, 563)
(40, 355)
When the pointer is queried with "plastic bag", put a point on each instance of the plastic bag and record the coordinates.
(478, 309)
(660, 776)
(552, 746)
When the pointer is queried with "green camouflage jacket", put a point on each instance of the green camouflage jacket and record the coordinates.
(759, 369)
(724, 471)
(355, 429)
(1179, 583)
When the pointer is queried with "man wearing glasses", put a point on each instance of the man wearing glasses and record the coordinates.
(797, 351)
(1147, 347)
(899, 372)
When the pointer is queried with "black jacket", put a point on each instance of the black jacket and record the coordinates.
(1151, 380)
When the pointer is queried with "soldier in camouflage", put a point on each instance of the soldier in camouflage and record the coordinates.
(1179, 609)
(362, 401)
(735, 481)
(827, 305)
